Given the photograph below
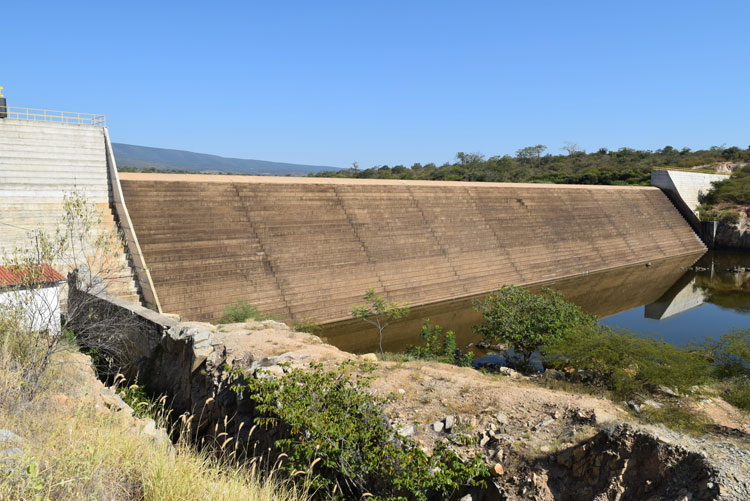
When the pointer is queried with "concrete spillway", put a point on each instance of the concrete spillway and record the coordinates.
(309, 248)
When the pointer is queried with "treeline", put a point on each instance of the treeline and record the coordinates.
(535, 164)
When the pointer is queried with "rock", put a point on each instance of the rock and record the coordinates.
(601, 417)
(565, 458)
(507, 371)
(651, 403)
(158, 435)
(498, 470)
(665, 390)
(114, 402)
(543, 424)
(9, 453)
(498, 456)
(406, 430)
(401, 391)
(7, 436)
(438, 426)
(275, 370)
(633, 405)
(369, 357)
(449, 422)
(545, 449)
(484, 440)
(501, 418)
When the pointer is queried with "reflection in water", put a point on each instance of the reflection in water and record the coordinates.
(617, 296)
(684, 295)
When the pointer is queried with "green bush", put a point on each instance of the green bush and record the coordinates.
(528, 321)
(730, 353)
(738, 393)
(307, 325)
(241, 311)
(630, 365)
(439, 347)
(332, 427)
(729, 216)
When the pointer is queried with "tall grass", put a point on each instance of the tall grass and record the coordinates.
(74, 449)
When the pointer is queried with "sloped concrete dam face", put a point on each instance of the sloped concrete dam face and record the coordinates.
(307, 248)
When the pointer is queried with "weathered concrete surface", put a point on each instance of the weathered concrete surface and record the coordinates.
(684, 189)
(41, 162)
(309, 247)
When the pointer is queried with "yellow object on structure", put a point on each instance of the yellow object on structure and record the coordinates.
(1, 92)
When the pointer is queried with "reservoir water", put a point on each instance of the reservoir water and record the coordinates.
(679, 300)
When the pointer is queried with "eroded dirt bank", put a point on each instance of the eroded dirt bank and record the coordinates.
(539, 443)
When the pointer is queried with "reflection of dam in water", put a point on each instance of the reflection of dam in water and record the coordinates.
(665, 299)
(684, 295)
(603, 294)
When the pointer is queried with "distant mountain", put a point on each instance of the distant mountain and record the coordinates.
(161, 159)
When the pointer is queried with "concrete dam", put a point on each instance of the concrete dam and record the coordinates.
(308, 248)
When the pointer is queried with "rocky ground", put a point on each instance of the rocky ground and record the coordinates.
(538, 442)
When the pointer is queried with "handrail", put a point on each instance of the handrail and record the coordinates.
(68, 117)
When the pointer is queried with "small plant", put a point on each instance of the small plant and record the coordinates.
(331, 427)
(242, 311)
(439, 347)
(378, 312)
(528, 321)
(307, 325)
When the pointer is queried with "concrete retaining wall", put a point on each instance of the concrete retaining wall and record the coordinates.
(41, 162)
(688, 186)
(310, 248)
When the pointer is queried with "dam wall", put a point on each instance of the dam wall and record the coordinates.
(308, 248)
(40, 163)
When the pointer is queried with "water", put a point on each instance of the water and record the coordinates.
(666, 300)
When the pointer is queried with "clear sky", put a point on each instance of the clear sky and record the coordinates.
(387, 82)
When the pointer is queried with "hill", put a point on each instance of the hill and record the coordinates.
(162, 159)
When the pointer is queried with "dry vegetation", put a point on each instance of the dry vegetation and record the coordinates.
(75, 448)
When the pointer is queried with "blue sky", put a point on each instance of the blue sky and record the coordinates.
(387, 82)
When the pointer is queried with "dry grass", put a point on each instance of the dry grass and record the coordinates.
(74, 450)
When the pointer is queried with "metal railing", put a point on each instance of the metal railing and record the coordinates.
(67, 117)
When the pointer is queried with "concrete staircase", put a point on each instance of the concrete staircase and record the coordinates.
(309, 248)
(40, 162)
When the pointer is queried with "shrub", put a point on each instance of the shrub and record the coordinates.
(730, 353)
(331, 427)
(528, 321)
(439, 347)
(738, 393)
(307, 325)
(729, 216)
(630, 365)
(241, 311)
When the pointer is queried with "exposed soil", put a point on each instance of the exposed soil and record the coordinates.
(541, 443)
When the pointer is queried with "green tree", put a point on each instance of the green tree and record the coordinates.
(531, 153)
(380, 313)
(528, 321)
